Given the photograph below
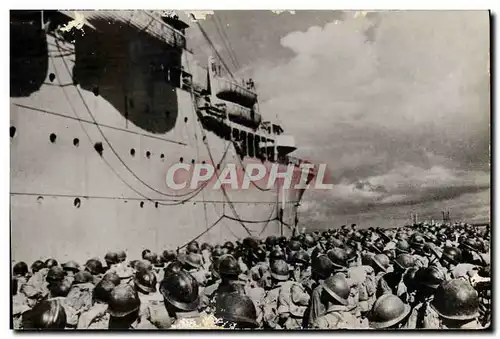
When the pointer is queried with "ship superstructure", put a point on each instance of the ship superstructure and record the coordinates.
(98, 118)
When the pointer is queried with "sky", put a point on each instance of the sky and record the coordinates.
(396, 103)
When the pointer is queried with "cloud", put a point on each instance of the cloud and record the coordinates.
(396, 104)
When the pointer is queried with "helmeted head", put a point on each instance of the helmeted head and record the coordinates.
(83, 277)
(301, 258)
(123, 300)
(180, 290)
(388, 311)
(451, 255)
(102, 291)
(47, 314)
(192, 260)
(337, 289)
(338, 257)
(71, 266)
(277, 254)
(280, 270)
(237, 310)
(55, 274)
(37, 266)
(432, 276)
(173, 267)
(192, 247)
(381, 262)
(20, 269)
(403, 262)
(122, 256)
(456, 299)
(144, 253)
(94, 266)
(402, 246)
(168, 256)
(228, 267)
(111, 258)
(322, 267)
(145, 281)
(51, 263)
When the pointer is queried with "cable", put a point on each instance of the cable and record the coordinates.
(230, 51)
(212, 45)
(195, 192)
(203, 233)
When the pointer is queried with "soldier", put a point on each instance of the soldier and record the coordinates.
(236, 311)
(338, 313)
(192, 263)
(152, 305)
(457, 304)
(301, 268)
(181, 298)
(111, 259)
(51, 263)
(122, 256)
(21, 274)
(285, 304)
(261, 266)
(48, 314)
(71, 268)
(124, 305)
(423, 316)
(418, 253)
(97, 317)
(395, 282)
(322, 268)
(389, 311)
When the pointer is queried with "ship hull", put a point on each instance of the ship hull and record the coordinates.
(89, 161)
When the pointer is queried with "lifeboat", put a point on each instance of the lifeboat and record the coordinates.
(234, 92)
(241, 115)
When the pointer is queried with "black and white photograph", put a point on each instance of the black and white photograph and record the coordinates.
(263, 170)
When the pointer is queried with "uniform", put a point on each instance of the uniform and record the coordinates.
(339, 317)
(153, 309)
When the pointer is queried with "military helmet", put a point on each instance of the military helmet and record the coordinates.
(382, 261)
(47, 314)
(277, 254)
(168, 256)
(390, 254)
(236, 308)
(152, 258)
(94, 266)
(301, 257)
(337, 287)
(146, 281)
(366, 259)
(417, 241)
(111, 258)
(335, 242)
(142, 265)
(180, 289)
(259, 254)
(271, 241)
(357, 236)
(432, 276)
(123, 300)
(20, 268)
(469, 244)
(350, 253)
(37, 266)
(280, 270)
(217, 252)
(229, 245)
(294, 245)
(228, 266)
(402, 246)
(308, 241)
(387, 311)
(51, 263)
(55, 274)
(192, 248)
(144, 253)
(404, 261)
(83, 277)
(102, 290)
(452, 255)
(282, 241)
(122, 256)
(172, 267)
(71, 266)
(322, 266)
(251, 243)
(456, 299)
(206, 246)
(338, 257)
(192, 260)
(112, 277)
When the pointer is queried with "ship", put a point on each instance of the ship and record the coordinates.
(102, 104)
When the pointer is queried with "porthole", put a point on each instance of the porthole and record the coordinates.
(185, 119)
(148, 154)
(77, 202)
(156, 204)
(181, 159)
(141, 204)
(12, 131)
(98, 147)
(52, 77)
(132, 152)
(162, 156)
(52, 137)
(76, 142)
